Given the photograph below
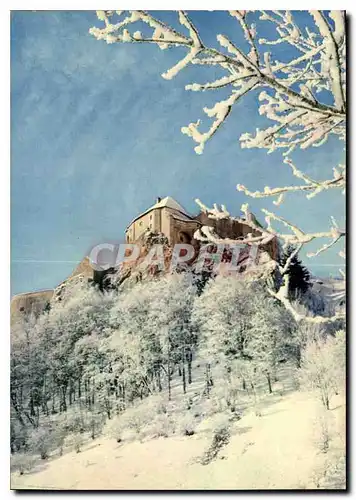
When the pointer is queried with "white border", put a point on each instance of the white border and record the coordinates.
(5, 173)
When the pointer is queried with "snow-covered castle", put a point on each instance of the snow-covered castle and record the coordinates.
(166, 216)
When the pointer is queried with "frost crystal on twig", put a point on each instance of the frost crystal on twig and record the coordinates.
(304, 97)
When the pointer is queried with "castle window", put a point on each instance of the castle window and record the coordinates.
(183, 237)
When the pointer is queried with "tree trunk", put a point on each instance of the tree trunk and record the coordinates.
(183, 371)
(17, 409)
(45, 407)
(269, 383)
(169, 379)
(86, 392)
(299, 357)
(32, 406)
(44, 398)
(257, 412)
(116, 385)
(190, 358)
(70, 395)
(63, 406)
(93, 396)
(53, 402)
(209, 381)
(325, 399)
(159, 383)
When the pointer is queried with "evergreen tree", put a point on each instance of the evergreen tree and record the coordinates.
(299, 276)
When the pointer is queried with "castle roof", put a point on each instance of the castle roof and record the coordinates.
(167, 202)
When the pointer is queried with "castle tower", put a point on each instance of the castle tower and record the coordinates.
(166, 216)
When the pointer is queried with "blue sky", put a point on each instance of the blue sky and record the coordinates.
(95, 138)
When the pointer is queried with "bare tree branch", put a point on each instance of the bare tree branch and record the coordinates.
(289, 97)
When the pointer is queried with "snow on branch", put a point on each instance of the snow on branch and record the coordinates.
(295, 237)
(293, 254)
(332, 67)
(303, 96)
(220, 111)
(282, 296)
(335, 234)
(249, 33)
(301, 119)
(262, 236)
(314, 187)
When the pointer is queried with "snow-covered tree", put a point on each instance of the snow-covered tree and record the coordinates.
(222, 316)
(271, 337)
(241, 325)
(303, 95)
(171, 315)
(323, 365)
(56, 357)
(299, 276)
(153, 330)
(136, 338)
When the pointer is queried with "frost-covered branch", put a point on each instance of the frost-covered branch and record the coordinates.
(314, 187)
(291, 101)
(295, 237)
(249, 32)
(303, 95)
(220, 111)
(282, 296)
(332, 64)
(335, 233)
(261, 237)
(284, 269)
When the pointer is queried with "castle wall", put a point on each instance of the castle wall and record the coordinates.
(139, 226)
(157, 220)
(182, 231)
(157, 217)
(166, 223)
(227, 228)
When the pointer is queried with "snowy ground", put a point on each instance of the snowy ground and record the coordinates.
(281, 449)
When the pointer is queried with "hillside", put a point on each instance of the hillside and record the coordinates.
(36, 302)
(278, 450)
(211, 384)
(29, 302)
(331, 289)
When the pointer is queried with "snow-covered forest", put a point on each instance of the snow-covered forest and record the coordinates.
(156, 358)
(167, 355)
